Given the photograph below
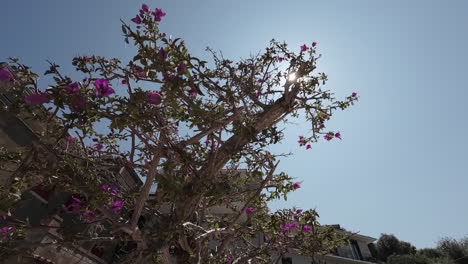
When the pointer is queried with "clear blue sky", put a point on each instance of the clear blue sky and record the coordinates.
(402, 165)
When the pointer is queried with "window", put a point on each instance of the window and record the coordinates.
(355, 248)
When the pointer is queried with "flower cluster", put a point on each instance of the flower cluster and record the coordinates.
(330, 135)
(303, 142)
(112, 189)
(5, 75)
(103, 88)
(158, 14)
(153, 98)
(75, 205)
(4, 232)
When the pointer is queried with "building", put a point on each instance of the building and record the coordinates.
(47, 207)
(357, 251)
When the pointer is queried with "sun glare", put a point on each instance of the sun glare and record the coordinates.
(292, 77)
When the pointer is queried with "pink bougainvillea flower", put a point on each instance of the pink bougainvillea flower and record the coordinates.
(90, 216)
(75, 205)
(327, 137)
(314, 44)
(5, 75)
(306, 228)
(181, 69)
(298, 211)
(136, 19)
(124, 81)
(286, 227)
(338, 135)
(354, 94)
(103, 88)
(162, 54)
(98, 146)
(304, 47)
(308, 146)
(71, 139)
(296, 185)
(280, 59)
(294, 224)
(138, 71)
(88, 213)
(301, 139)
(158, 14)
(145, 8)
(4, 232)
(249, 210)
(73, 88)
(37, 98)
(5, 229)
(153, 98)
(259, 92)
(193, 93)
(116, 206)
(110, 188)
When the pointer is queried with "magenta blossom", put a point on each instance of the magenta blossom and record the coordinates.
(90, 216)
(116, 206)
(136, 19)
(296, 185)
(139, 71)
(308, 146)
(249, 210)
(158, 14)
(162, 54)
(5, 229)
(294, 224)
(259, 92)
(193, 93)
(286, 227)
(181, 69)
(280, 59)
(304, 47)
(306, 228)
(354, 94)
(327, 137)
(75, 205)
(37, 98)
(145, 8)
(153, 98)
(301, 139)
(110, 188)
(98, 146)
(5, 75)
(103, 88)
(298, 211)
(71, 139)
(338, 135)
(314, 44)
(124, 81)
(73, 88)
(4, 232)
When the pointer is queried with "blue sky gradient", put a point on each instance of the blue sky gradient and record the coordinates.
(402, 165)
